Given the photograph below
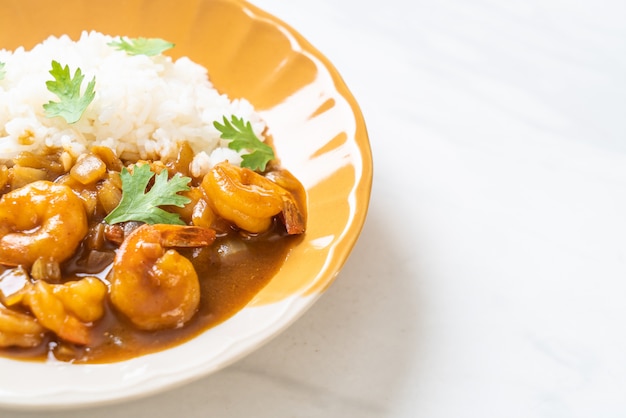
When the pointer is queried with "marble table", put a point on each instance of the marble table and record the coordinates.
(490, 276)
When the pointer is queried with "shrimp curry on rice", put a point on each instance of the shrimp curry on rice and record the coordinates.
(113, 248)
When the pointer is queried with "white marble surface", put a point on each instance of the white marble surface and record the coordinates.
(490, 277)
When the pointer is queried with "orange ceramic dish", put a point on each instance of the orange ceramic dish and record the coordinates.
(318, 133)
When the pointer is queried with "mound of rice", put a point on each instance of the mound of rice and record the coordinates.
(144, 106)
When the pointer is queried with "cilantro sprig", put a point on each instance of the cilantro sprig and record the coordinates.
(71, 105)
(137, 204)
(141, 46)
(2, 70)
(244, 138)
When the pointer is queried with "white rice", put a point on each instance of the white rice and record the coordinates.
(143, 108)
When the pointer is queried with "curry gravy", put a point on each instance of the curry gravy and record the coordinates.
(231, 271)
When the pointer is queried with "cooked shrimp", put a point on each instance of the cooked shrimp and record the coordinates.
(82, 298)
(41, 219)
(250, 200)
(19, 329)
(68, 309)
(153, 285)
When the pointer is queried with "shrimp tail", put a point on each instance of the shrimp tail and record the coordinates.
(293, 218)
(187, 237)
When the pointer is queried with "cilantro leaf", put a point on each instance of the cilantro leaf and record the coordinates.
(141, 46)
(2, 70)
(71, 105)
(142, 206)
(243, 138)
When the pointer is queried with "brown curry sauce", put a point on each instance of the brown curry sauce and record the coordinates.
(231, 271)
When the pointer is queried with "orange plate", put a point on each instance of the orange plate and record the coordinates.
(319, 135)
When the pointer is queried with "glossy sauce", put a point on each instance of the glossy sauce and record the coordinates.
(231, 271)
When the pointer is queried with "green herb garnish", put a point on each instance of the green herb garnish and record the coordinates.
(2, 70)
(137, 204)
(71, 105)
(141, 46)
(243, 138)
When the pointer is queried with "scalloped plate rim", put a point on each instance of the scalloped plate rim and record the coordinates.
(279, 315)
